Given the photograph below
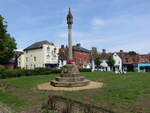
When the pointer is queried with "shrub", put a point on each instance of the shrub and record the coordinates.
(55, 70)
(38, 71)
(2, 70)
(84, 70)
(26, 72)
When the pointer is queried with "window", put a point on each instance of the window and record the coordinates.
(26, 59)
(34, 66)
(55, 50)
(80, 61)
(144, 60)
(34, 59)
(26, 66)
(126, 60)
(48, 49)
(84, 58)
(48, 57)
(62, 63)
(133, 60)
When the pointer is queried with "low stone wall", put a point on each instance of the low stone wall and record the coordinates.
(64, 105)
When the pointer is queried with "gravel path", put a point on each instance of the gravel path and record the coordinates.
(91, 85)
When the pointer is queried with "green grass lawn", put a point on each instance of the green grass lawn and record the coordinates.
(128, 93)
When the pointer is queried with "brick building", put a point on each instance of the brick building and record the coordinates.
(81, 56)
(135, 62)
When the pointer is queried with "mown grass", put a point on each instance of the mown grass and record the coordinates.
(128, 93)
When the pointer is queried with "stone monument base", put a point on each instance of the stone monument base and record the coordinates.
(70, 77)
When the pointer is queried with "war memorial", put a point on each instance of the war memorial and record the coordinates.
(70, 76)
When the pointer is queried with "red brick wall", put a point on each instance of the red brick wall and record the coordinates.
(137, 59)
(81, 58)
(144, 59)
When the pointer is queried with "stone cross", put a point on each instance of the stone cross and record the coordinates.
(70, 76)
(70, 22)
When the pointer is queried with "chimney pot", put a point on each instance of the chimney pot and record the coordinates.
(62, 46)
(78, 45)
(121, 50)
(104, 50)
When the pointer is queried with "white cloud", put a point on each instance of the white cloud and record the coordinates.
(141, 46)
(122, 20)
(98, 22)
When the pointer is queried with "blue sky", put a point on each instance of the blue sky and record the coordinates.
(109, 24)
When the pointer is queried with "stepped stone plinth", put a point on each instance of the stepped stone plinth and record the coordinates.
(70, 77)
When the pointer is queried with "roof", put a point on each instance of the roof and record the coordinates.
(37, 45)
(104, 56)
(79, 48)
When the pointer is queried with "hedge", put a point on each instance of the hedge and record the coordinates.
(84, 70)
(28, 72)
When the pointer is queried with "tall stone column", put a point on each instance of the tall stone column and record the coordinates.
(70, 22)
(70, 42)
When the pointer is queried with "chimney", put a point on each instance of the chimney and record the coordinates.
(62, 46)
(78, 45)
(104, 50)
(94, 49)
(121, 51)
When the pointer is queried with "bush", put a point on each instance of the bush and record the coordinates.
(2, 70)
(26, 72)
(84, 70)
(55, 70)
(42, 71)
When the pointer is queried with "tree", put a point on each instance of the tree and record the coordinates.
(132, 53)
(97, 61)
(110, 61)
(7, 43)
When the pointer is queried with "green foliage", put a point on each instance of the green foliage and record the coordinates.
(97, 61)
(26, 72)
(7, 43)
(84, 70)
(110, 61)
(30, 72)
(3, 27)
(132, 53)
(2, 68)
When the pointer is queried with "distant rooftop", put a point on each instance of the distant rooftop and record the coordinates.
(37, 45)
(79, 48)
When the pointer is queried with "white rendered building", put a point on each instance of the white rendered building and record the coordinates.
(39, 54)
(118, 63)
(105, 67)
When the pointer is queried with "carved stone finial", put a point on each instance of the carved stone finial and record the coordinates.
(69, 17)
